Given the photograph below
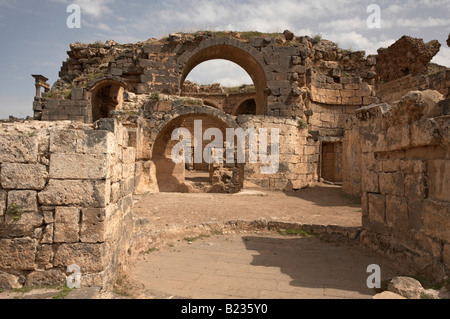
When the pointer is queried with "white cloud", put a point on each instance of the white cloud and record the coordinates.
(443, 57)
(419, 23)
(95, 8)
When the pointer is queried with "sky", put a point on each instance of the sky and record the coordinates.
(34, 35)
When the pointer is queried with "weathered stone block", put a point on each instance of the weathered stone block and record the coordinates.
(18, 254)
(370, 182)
(81, 193)
(44, 256)
(63, 141)
(416, 186)
(47, 278)
(93, 225)
(78, 166)
(89, 257)
(18, 149)
(392, 183)
(22, 226)
(23, 176)
(116, 72)
(67, 227)
(47, 234)
(9, 281)
(415, 215)
(129, 155)
(397, 211)
(95, 142)
(25, 200)
(436, 219)
(77, 94)
(377, 205)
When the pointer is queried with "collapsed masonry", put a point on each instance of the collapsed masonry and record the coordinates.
(324, 101)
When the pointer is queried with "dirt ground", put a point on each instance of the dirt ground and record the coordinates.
(250, 265)
(321, 205)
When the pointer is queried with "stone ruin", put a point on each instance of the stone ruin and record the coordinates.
(377, 124)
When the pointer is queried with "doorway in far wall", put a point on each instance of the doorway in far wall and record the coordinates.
(331, 169)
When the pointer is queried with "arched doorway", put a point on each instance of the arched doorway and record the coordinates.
(106, 96)
(172, 177)
(247, 107)
(242, 56)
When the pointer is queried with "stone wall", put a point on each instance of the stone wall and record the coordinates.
(394, 90)
(65, 198)
(298, 155)
(404, 167)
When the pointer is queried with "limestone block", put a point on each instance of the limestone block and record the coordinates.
(115, 192)
(52, 277)
(78, 166)
(128, 155)
(18, 149)
(397, 211)
(47, 235)
(370, 182)
(413, 166)
(376, 207)
(23, 226)
(77, 94)
(63, 141)
(93, 225)
(89, 257)
(48, 213)
(44, 256)
(18, 254)
(407, 287)
(67, 227)
(25, 200)
(81, 193)
(436, 219)
(416, 186)
(392, 183)
(23, 176)
(398, 137)
(9, 281)
(423, 133)
(95, 142)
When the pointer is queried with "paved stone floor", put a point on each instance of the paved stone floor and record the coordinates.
(256, 266)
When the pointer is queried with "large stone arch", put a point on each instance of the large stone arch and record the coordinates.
(112, 97)
(244, 55)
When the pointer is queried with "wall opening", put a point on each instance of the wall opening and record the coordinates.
(248, 107)
(238, 56)
(106, 96)
(186, 177)
(331, 168)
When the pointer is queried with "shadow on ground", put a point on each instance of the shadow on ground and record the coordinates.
(313, 263)
(326, 196)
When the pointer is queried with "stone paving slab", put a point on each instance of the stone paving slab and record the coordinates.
(258, 266)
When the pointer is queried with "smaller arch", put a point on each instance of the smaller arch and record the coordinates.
(106, 95)
(246, 107)
(170, 177)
